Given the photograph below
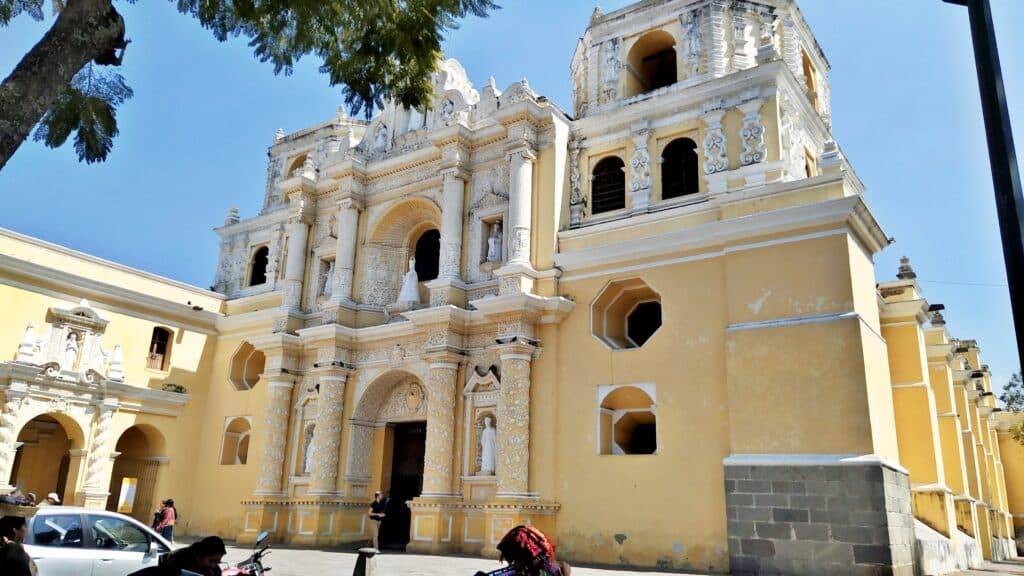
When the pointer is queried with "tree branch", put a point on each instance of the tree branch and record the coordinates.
(85, 30)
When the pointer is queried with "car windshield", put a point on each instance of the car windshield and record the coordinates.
(112, 533)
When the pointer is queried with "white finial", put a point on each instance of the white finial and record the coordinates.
(278, 135)
(115, 372)
(491, 83)
(26, 351)
(232, 216)
(342, 112)
(83, 303)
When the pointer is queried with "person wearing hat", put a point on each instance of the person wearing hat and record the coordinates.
(51, 500)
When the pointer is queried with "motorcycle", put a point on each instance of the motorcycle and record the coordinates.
(253, 565)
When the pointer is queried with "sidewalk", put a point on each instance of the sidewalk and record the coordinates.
(306, 562)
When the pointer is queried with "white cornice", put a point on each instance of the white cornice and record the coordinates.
(716, 233)
(811, 460)
(65, 251)
(105, 296)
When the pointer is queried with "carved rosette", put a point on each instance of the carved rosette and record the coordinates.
(275, 426)
(9, 432)
(752, 134)
(716, 158)
(327, 433)
(99, 453)
(437, 460)
(514, 415)
(640, 165)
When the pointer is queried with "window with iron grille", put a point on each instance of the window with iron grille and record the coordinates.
(608, 188)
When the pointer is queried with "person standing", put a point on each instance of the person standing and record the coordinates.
(168, 518)
(377, 515)
(14, 560)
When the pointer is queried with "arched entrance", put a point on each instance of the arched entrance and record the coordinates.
(43, 462)
(133, 480)
(388, 432)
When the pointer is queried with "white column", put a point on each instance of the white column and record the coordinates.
(451, 225)
(514, 421)
(13, 396)
(345, 254)
(640, 174)
(440, 441)
(97, 475)
(298, 236)
(274, 436)
(327, 434)
(520, 209)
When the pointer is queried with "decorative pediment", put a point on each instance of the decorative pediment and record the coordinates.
(82, 316)
(72, 346)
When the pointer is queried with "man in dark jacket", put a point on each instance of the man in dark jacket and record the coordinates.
(202, 559)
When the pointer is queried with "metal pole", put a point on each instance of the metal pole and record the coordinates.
(1002, 157)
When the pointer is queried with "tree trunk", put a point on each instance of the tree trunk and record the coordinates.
(85, 30)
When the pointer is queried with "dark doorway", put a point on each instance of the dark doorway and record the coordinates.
(406, 482)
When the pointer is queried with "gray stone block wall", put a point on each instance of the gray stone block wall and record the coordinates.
(839, 519)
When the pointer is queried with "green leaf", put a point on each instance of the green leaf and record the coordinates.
(375, 49)
(88, 108)
(9, 9)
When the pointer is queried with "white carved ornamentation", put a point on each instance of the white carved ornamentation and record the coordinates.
(752, 134)
(693, 36)
(610, 66)
(577, 201)
(716, 157)
(640, 174)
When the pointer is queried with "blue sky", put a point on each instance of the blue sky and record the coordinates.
(193, 140)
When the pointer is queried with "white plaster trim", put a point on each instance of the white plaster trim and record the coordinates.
(791, 321)
(910, 385)
(106, 297)
(934, 487)
(811, 460)
(416, 531)
(110, 264)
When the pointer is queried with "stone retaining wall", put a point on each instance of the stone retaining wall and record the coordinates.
(819, 519)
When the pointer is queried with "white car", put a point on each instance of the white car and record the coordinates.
(70, 541)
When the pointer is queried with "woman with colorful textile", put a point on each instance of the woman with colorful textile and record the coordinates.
(528, 553)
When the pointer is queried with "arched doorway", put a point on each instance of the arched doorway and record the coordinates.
(43, 460)
(133, 480)
(388, 433)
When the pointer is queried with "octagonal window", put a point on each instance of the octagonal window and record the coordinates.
(626, 314)
(247, 365)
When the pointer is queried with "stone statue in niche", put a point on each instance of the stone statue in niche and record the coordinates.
(487, 442)
(410, 293)
(307, 458)
(494, 242)
(447, 111)
(380, 139)
(71, 347)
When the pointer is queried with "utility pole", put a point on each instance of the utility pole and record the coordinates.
(1002, 156)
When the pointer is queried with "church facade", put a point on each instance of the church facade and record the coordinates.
(649, 326)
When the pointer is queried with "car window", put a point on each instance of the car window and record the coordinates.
(58, 530)
(110, 533)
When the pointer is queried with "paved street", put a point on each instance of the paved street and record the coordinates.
(302, 562)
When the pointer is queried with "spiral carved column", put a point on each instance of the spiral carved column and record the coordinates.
(13, 396)
(98, 466)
